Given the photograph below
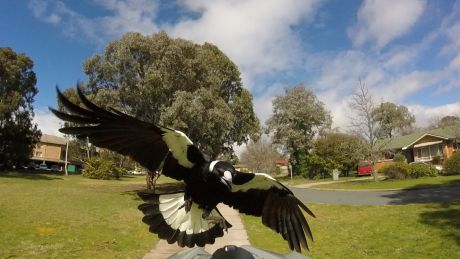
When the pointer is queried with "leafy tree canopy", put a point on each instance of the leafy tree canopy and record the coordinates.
(298, 116)
(18, 135)
(336, 151)
(173, 82)
(392, 118)
(447, 121)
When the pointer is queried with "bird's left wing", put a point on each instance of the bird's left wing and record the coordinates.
(262, 195)
(146, 143)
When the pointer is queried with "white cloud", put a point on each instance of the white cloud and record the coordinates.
(342, 72)
(263, 103)
(256, 34)
(47, 122)
(455, 63)
(340, 76)
(404, 85)
(424, 114)
(126, 15)
(384, 20)
(259, 37)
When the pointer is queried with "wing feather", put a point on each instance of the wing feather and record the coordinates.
(146, 143)
(261, 195)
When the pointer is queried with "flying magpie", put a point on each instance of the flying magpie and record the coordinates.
(187, 215)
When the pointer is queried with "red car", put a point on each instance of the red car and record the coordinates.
(364, 168)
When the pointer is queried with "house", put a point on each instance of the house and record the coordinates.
(423, 146)
(49, 149)
(283, 166)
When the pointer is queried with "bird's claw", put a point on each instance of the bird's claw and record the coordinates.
(216, 220)
(187, 204)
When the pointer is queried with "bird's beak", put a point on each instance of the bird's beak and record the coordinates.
(227, 183)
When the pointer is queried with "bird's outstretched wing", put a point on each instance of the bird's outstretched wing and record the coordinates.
(167, 217)
(146, 143)
(262, 195)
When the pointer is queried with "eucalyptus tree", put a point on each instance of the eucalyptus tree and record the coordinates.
(173, 82)
(18, 134)
(298, 117)
(336, 151)
(392, 119)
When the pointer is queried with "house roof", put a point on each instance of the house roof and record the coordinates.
(403, 142)
(52, 139)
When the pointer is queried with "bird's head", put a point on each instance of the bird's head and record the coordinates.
(224, 171)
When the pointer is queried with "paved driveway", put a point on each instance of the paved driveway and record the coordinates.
(429, 195)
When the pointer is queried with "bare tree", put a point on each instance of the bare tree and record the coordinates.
(261, 156)
(364, 122)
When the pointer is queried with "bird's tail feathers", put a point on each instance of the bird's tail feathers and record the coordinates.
(167, 217)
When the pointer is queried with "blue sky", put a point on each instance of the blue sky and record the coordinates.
(407, 52)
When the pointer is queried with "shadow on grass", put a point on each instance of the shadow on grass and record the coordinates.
(29, 175)
(446, 217)
(427, 193)
(439, 185)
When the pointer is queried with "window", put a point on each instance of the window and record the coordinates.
(427, 153)
(38, 154)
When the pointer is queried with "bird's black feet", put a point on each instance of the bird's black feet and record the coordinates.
(187, 203)
(216, 219)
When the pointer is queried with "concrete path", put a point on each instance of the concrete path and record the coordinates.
(407, 196)
(236, 235)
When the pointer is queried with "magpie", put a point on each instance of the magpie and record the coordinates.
(187, 215)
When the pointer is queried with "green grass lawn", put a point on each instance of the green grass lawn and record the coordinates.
(296, 180)
(403, 231)
(54, 216)
(395, 184)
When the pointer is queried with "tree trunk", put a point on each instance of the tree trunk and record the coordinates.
(375, 174)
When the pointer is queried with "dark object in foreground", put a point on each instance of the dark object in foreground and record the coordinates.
(188, 215)
(234, 252)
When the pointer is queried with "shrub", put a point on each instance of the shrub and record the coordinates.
(452, 165)
(399, 158)
(97, 168)
(402, 170)
(421, 170)
(396, 171)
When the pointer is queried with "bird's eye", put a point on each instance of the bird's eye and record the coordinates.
(228, 175)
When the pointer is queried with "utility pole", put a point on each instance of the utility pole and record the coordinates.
(66, 156)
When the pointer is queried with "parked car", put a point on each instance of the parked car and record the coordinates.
(55, 168)
(135, 172)
(364, 168)
(42, 167)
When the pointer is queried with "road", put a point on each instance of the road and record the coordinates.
(429, 195)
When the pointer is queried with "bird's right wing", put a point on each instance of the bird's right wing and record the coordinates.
(146, 143)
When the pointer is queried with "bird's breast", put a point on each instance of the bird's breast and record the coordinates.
(205, 191)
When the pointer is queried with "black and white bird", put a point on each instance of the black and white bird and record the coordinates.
(188, 216)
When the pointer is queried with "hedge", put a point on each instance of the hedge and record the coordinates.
(401, 170)
(97, 168)
(452, 164)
